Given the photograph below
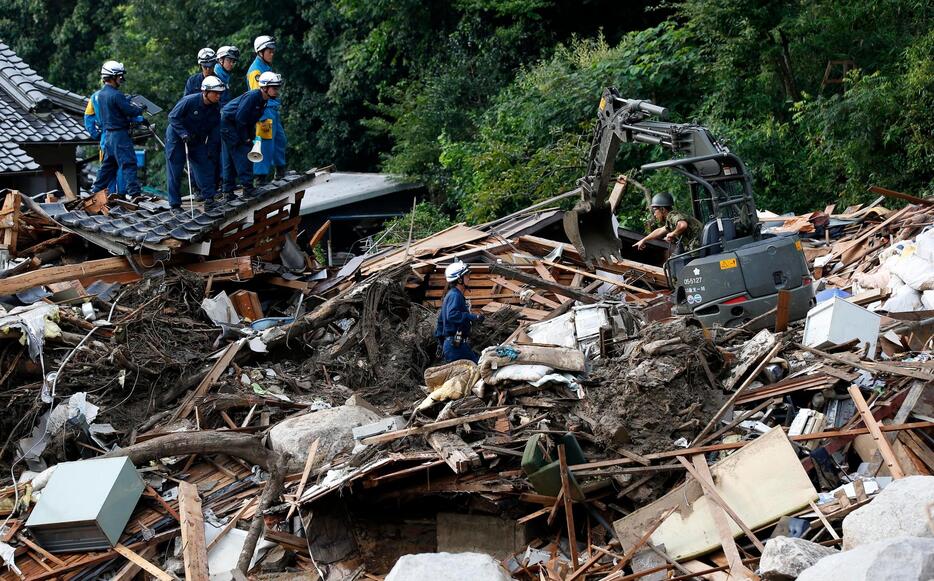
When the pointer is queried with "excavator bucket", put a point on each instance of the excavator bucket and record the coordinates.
(592, 232)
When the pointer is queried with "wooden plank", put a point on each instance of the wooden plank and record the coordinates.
(516, 274)
(66, 187)
(213, 375)
(568, 509)
(518, 289)
(318, 236)
(543, 272)
(131, 570)
(900, 196)
(45, 554)
(194, 549)
(885, 448)
(824, 520)
(309, 462)
(706, 481)
(600, 277)
(427, 428)
(21, 282)
(719, 513)
(783, 310)
(142, 563)
(456, 453)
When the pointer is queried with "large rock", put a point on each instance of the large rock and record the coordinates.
(898, 559)
(785, 557)
(449, 567)
(333, 428)
(898, 511)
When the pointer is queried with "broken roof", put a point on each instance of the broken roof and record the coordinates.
(344, 188)
(34, 111)
(158, 226)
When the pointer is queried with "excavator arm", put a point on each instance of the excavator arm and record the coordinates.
(719, 182)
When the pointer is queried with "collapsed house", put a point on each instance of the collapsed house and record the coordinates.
(194, 396)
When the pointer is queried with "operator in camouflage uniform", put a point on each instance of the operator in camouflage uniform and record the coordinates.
(678, 228)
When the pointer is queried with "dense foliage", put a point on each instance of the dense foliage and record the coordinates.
(491, 102)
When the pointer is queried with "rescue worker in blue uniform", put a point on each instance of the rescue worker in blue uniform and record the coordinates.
(93, 126)
(227, 57)
(455, 318)
(206, 60)
(192, 124)
(116, 113)
(238, 130)
(269, 128)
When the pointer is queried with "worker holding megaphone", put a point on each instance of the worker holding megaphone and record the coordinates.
(239, 144)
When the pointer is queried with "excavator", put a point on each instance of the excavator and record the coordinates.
(734, 275)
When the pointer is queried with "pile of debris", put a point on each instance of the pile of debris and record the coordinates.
(212, 403)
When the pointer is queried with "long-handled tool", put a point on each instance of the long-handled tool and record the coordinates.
(191, 193)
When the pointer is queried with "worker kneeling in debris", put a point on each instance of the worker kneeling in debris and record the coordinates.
(188, 140)
(116, 113)
(454, 320)
(678, 228)
(238, 130)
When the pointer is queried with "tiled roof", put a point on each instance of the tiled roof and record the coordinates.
(154, 227)
(33, 111)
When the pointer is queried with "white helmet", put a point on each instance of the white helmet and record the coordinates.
(270, 79)
(230, 52)
(212, 83)
(112, 69)
(207, 57)
(455, 270)
(263, 42)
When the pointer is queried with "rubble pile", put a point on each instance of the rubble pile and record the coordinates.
(216, 404)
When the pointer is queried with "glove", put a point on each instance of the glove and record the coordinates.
(481, 317)
(185, 137)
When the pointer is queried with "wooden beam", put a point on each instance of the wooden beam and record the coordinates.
(900, 196)
(706, 481)
(737, 568)
(518, 289)
(824, 520)
(538, 282)
(568, 509)
(456, 453)
(309, 462)
(66, 187)
(888, 455)
(131, 570)
(390, 436)
(194, 549)
(213, 375)
(144, 564)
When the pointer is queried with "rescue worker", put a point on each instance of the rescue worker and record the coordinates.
(92, 125)
(192, 125)
(115, 113)
(678, 228)
(238, 130)
(227, 57)
(269, 128)
(454, 320)
(206, 60)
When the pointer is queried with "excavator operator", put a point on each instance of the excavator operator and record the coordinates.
(678, 228)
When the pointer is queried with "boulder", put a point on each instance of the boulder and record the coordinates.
(447, 566)
(785, 557)
(332, 427)
(898, 559)
(898, 511)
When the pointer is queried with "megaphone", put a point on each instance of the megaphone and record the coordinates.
(256, 154)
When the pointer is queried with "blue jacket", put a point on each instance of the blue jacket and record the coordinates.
(224, 76)
(454, 315)
(242, 113)
(115, 112)
(192, 118)
(193, 84)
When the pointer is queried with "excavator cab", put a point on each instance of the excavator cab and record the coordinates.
(736, 272)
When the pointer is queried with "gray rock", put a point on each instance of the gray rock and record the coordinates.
(898, 511)
(333, 428)
(898, 559)
(785, 557)
(449, 567)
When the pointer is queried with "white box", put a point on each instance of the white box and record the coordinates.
(837, 321)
